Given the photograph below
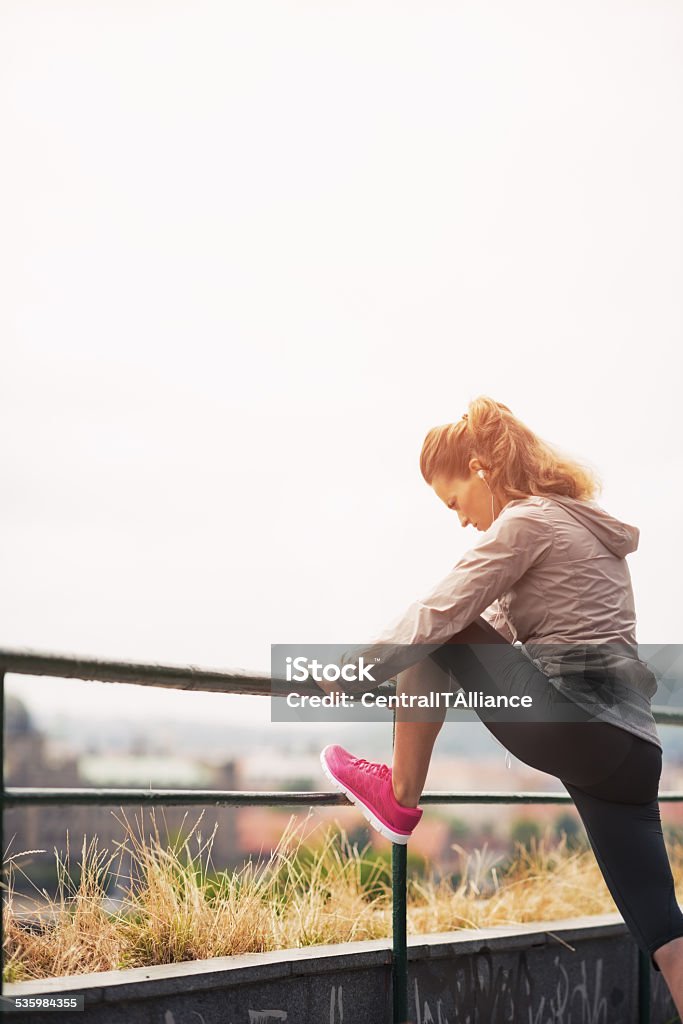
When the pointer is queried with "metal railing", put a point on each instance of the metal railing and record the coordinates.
(189, 677)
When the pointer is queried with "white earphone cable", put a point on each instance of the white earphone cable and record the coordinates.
(508, 759)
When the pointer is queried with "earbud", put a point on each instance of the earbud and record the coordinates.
(481, 473)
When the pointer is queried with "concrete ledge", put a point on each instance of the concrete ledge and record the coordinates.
(576, 968)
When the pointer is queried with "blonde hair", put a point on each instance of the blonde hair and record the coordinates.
(517, 461)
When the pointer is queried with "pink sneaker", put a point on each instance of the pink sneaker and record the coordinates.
(368, 785)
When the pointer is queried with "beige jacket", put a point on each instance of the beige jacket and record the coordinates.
(550, 573)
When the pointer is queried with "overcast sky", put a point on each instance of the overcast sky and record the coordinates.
(252, 252)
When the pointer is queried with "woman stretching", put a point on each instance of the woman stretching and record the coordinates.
(550, 575)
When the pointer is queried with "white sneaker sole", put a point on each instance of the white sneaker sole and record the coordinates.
(395, 837)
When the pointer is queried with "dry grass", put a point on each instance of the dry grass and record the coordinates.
(545, 881)
(178, 908)
(78, 936)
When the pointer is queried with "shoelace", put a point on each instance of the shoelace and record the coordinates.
(382, 770)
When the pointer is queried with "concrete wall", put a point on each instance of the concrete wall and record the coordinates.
(576, 971)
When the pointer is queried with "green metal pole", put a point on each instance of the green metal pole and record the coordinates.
(399, 927)
(643, 987)
(399, 859)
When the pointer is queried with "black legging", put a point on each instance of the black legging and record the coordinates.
(611, 775)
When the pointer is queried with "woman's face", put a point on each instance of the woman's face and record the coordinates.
(469, 497)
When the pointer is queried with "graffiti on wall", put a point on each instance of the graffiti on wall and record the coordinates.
(479, 991)
(265, 1016)
(483, 992)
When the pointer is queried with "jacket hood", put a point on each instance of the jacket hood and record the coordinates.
(619, 537)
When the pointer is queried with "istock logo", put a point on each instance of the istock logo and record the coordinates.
(299, 669)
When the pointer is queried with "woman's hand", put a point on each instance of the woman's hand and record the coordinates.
(340, 685)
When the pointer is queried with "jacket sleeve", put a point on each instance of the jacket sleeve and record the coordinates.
(514, 542)
(495, 616)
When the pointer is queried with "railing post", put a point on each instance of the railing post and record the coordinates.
(643, 987)
(399, 859)
(399, 926)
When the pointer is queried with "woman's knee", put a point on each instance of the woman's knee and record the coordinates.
(477, 632)
(426, 676)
